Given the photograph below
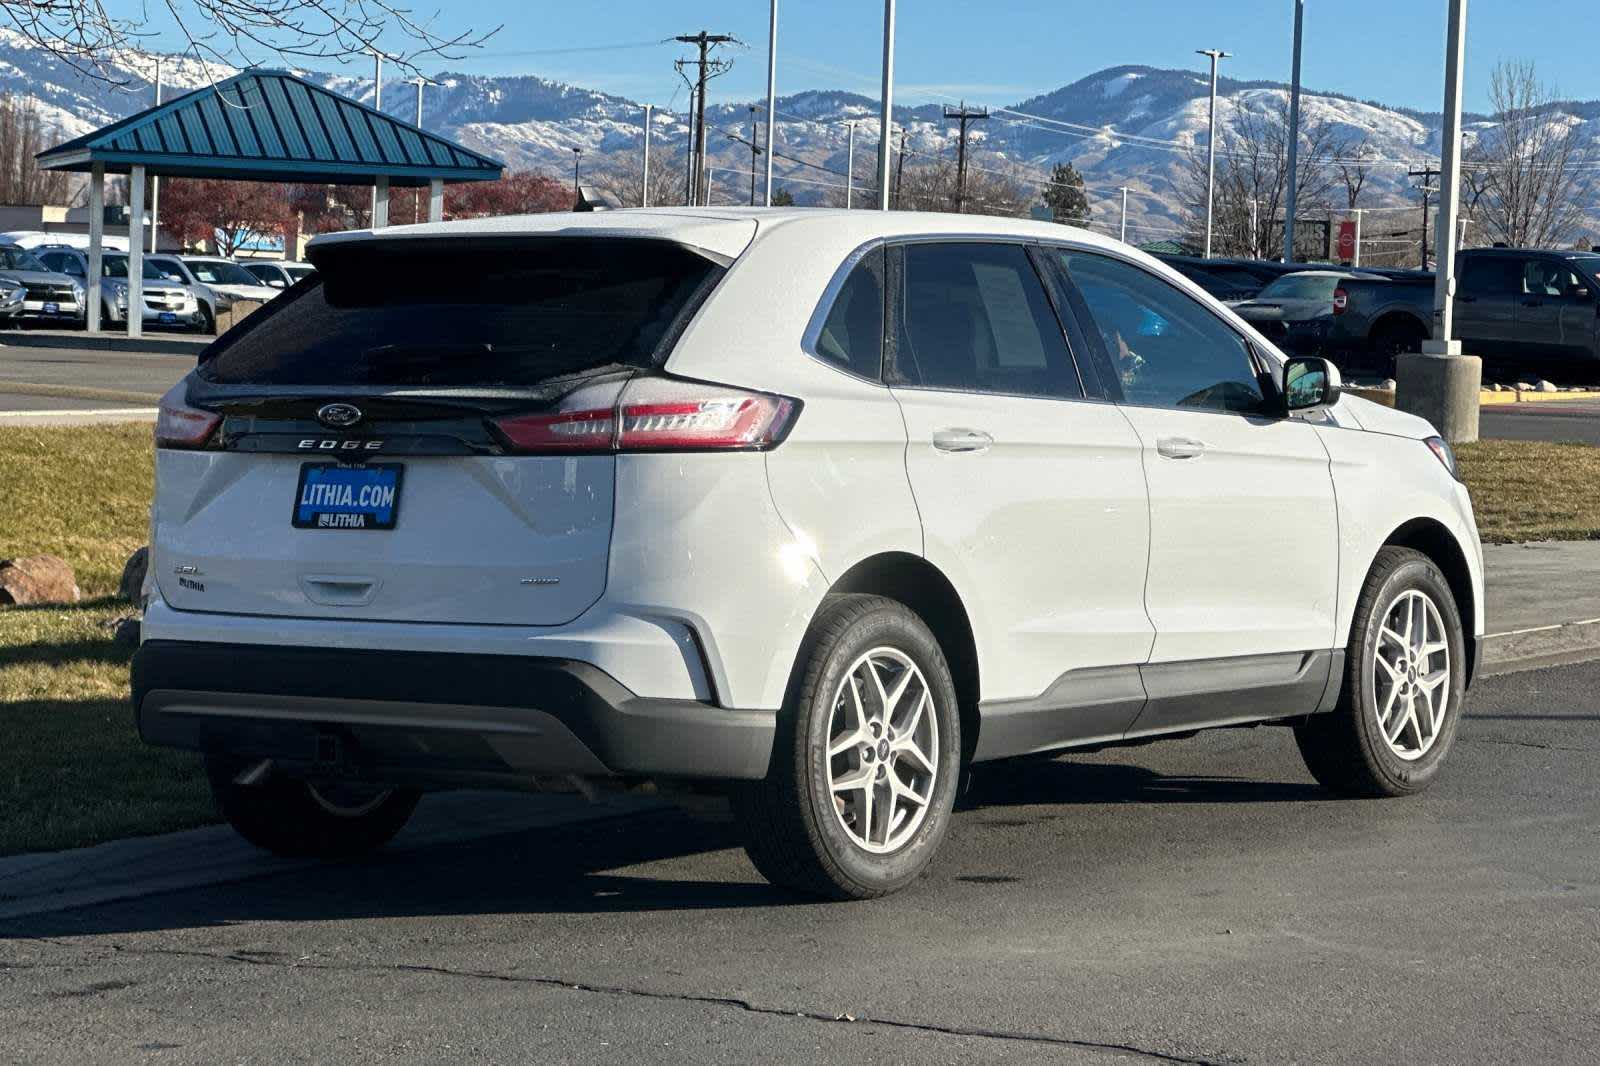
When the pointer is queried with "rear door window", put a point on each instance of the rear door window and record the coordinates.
(975, 318)
(1492, 275)
(469, 313)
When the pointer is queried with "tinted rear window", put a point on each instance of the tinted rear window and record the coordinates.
(463, 313)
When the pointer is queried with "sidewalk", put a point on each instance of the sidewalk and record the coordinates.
(1543, 604)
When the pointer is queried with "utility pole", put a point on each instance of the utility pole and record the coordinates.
(644, 183)
(886, 116)
(964, 115)
(754, 151)
(1211, 139)
(1355, 260)
(416, 203)
(1124, 235)
(772, 104)
(850, 165)
(155, 183)
(577, 157)
(1293, 193)
(1427, 174)
(708, 69)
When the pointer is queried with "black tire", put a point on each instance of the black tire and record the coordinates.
(793, 828)
(208, 321)
(1395, 337)
(1345, 749)
(299, 820)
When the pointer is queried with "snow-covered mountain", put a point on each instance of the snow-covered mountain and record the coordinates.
(1128, 125)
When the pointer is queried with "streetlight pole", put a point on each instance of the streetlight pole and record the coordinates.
(377, 105)
(644, 184)
(850, 166)
(577, 157)
(1124, 235)
(772, 98)
(1294, 137)
(1211, 139)
(1441, 384)
(885, 123)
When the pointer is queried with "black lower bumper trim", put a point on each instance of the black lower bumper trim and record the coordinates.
(432, 714)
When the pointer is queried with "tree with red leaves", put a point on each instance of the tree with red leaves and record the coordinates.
(229, 214)
(520, 192)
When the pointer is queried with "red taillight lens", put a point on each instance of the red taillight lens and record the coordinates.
(658, 414)
(1341, 300)
(180, 426)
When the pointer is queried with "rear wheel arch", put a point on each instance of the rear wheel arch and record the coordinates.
(1433, 539)
(923, 587)
(1397, 323)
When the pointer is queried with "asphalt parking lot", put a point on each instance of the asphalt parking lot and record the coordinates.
(1191, 901)
(1561, 420)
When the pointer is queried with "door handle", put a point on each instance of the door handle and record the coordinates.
(1180, 447)
(956, 439)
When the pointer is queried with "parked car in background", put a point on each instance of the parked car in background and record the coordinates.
(279, 275)
(47, 295)
(1231, 280)
(1524, 311)
(167, 301)
(1293, 312)
(211, 301)
(647, 495)
(225, 277)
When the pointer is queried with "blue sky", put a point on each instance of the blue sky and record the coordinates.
(1001, 51)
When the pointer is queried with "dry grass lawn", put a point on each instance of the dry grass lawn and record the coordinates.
(1526, 490)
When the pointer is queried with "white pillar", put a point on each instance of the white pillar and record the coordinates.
(886, 121)
(380, 202)
(1355, 260)
(1444, 289)
(1123, 236)
(850, 169)
(436, 200)
(136, 252)
(97, 240)
(155, 184)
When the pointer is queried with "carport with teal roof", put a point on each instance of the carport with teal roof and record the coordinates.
(260, 125)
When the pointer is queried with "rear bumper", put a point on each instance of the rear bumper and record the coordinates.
(428, 718)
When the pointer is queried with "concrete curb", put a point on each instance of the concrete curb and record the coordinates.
(106, 342)
(43, 882)
(1540, 647)
(1486, 398)
(78, 392)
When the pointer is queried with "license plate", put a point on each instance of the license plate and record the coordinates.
(331, 496)
(168, 316)
(52, 309)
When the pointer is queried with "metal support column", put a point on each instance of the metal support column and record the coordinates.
(136, 252)
(97, 242)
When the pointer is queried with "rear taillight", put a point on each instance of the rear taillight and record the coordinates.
(658, 414)
(1341, 300)
(180, 426)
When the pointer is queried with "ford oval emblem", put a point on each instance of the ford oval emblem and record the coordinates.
(338, 415)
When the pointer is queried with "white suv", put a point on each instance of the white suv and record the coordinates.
(820, 506)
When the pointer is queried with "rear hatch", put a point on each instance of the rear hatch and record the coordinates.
(340, 454)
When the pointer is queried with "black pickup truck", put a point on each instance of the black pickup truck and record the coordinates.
(1521, 310)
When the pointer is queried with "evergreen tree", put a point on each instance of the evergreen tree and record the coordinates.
(1065, 197)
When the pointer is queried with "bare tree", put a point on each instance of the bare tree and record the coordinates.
(666, 178)
(22, 136)
(1528, 177)
(992, 188)
(88, 37)
(1252, 181)
(1354, 169)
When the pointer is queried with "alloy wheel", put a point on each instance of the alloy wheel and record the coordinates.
(1411, 668)
(883, 750)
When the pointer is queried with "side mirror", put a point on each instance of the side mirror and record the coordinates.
(1309, 381)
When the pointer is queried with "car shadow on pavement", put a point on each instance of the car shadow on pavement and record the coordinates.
(594, 867)
(1065, 781)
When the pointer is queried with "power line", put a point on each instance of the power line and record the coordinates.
(965, 116)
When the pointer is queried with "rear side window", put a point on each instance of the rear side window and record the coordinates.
(507, 312)
(975, 318)
(1491, 275)
(852, 335)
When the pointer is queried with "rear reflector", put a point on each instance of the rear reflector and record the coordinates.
(180, 426)
(658, 414)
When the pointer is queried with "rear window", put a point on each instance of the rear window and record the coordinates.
(464, 313)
